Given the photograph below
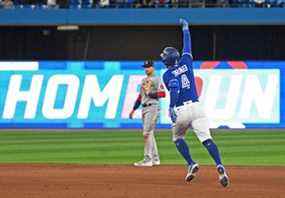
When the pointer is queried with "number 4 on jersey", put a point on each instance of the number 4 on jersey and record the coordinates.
(185, 82)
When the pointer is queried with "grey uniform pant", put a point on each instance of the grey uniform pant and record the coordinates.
(149, 116)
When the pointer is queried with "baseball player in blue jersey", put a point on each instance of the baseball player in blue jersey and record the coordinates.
(185, 109)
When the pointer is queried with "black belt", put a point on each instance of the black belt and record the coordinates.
(146, 105)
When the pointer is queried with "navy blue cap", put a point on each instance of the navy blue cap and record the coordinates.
(148, 63)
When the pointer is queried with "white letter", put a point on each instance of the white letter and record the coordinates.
(91, 92)
(14, 95)
(228, 99)
(72, 83)
(262, 98)
(131, 96)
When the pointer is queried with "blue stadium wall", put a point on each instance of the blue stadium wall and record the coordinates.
(196, 16)
(100, 94)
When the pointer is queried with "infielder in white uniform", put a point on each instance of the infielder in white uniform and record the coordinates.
(150, 92)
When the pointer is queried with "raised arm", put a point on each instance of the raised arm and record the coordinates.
(187, 48)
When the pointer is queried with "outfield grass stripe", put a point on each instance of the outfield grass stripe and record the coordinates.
(132, 136)
(237, 148)
(131, 140)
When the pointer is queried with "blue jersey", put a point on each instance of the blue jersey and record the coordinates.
(182, 76)
(183, 72)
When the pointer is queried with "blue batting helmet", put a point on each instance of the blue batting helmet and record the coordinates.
(170, 56)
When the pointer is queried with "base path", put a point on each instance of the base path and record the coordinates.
(75, 181)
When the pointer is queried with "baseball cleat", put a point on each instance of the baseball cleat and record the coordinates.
(223, 177)
(145, 162)
(156, 161)
(192, 170)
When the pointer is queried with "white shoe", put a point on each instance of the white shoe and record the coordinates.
(192, 170)
(145, 162)
(156, 161)
(223, 177)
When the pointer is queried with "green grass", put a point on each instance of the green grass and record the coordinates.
(110, 147)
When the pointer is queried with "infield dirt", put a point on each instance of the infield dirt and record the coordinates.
(98, 181)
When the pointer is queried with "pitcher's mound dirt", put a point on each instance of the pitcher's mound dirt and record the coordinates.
(72, 181)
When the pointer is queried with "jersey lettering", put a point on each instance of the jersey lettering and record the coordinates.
(183, 72)
(180, 70)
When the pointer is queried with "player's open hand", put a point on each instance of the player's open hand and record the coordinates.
(184, 24)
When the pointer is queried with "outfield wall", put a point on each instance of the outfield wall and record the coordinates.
(157, 16)
(100, 94)
(138, 43)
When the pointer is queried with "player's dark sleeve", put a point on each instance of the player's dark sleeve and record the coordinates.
(138, 102)
(174, 91)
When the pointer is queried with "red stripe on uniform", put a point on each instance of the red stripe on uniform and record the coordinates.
(161, 94)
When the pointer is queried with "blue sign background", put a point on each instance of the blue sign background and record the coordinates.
(104, 70)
